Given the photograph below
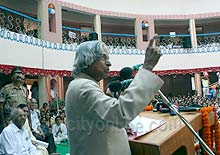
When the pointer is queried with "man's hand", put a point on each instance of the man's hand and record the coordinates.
(152, 55)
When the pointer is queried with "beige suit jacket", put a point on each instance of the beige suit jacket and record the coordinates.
(95, 121)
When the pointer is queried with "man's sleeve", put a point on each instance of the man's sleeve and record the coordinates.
(8, 143)
(120, 112)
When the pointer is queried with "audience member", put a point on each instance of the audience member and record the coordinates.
(63, 117)
(205, 86)
(59, 131)
(41, 149)
(35, 122)
(49, 120)
(44, 108)
(44, 126)
(14, 139)
(37, 130)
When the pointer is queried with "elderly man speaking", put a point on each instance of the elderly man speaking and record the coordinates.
(95, 121)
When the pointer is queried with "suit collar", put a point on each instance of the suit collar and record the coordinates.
(85, 76)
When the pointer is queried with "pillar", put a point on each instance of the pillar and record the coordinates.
(139, 33)
(197, 76)
(192, 29)
(43, 15)
(54, 35)
(97, 26)
(42, 90)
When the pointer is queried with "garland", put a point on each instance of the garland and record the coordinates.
(211, 134)
(148, 108)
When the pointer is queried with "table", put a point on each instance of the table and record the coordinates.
(171, 138)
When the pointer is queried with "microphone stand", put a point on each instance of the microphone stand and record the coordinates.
(203, 144)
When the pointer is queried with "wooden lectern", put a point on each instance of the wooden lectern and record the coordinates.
(172, 138)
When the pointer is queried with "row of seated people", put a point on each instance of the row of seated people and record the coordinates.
(43, 122)
(43, 136)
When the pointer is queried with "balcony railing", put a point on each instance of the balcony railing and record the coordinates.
(13, 36)
(19, 22)
(122, 41)
(23, 24)
(208, 39)
(174, 41)
(74, 36)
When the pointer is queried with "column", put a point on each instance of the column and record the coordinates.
(54, 35)
(50, 30)
(198, 86)
(97, 26)
(192, 29)
(42, 90)
(197, 76)
(139, 32)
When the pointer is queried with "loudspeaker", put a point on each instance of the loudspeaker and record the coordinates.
(93, 36)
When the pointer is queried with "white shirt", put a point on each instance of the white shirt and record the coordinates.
(205, 83)
(14, 141)
(34, 120)
(55, 129)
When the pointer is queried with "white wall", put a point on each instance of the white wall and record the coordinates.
(32, 56)
(152, 7)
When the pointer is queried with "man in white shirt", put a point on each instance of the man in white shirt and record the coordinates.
(37, 130)
(14, 139)
(205, 85)
(59, 130)
(42, 149)
(35, 122)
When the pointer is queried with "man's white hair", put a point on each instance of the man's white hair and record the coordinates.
(86, 54)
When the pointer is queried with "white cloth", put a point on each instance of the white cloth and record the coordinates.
(59, 136)
(95, 121)
(14, 141)
(42, 150)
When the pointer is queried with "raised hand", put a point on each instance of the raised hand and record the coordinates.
(152, 55)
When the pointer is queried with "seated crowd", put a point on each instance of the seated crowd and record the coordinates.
(47, 123)
(44, 128)
(40, 129)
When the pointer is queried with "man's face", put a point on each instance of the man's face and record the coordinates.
(25, 110)
(99, 68)
(33, 104)
(20, 118)
(58, 121)
(17, 77)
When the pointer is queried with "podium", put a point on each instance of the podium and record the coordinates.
(172, 138)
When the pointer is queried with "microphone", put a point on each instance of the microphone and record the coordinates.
(121, 82)
(126, 72)
(136, 67)
(116, 86)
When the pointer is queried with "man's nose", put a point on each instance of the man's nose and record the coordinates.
(108, 63)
